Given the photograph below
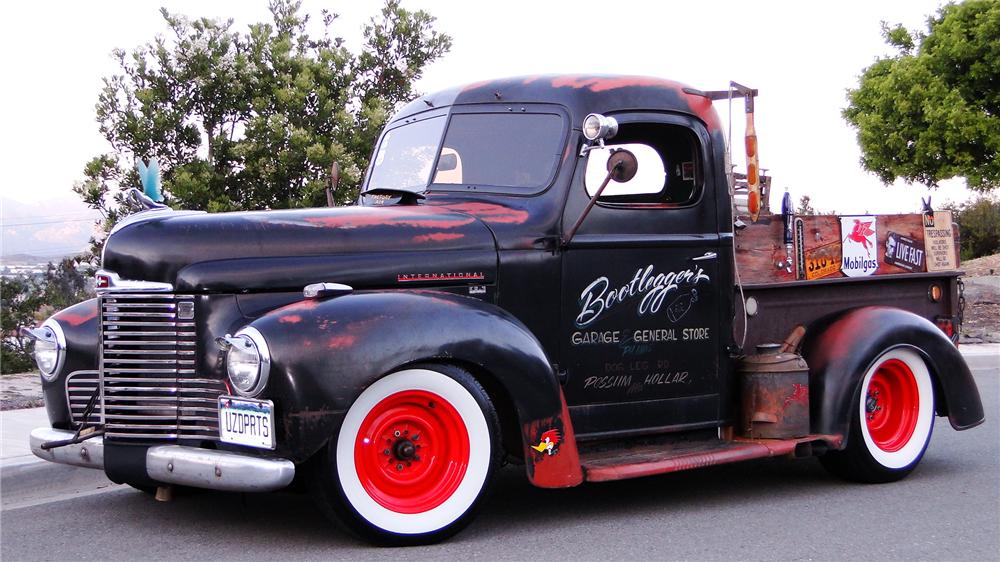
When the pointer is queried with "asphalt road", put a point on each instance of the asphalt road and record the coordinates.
(776, 509)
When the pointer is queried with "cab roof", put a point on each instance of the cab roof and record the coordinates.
(580, 94)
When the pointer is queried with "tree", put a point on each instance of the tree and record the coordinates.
(254, 120)
(979, 226)
(932, 111)
(20, 298)
(64, 285)
(25, 301)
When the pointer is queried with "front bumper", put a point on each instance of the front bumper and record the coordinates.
(174, 464)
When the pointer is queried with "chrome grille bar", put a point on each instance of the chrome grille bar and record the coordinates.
(150, 388)
(80, 386)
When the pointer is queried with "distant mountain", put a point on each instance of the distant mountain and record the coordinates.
(45, 230)
(30, 259)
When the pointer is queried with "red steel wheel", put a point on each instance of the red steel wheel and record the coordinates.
(415, 454)
(412, 451)
(892, 403)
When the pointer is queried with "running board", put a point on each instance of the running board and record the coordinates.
(636, 461)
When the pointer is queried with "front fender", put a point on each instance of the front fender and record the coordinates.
(80, 325)
(841, 348)
(324, 353)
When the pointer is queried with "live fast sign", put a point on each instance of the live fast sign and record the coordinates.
(904, 252)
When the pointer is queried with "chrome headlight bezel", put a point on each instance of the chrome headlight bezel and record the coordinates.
(51, 339)
(253, 344)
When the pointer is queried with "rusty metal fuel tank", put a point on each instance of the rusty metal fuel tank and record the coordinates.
(775, 394)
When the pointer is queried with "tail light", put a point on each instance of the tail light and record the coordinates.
(947, 325)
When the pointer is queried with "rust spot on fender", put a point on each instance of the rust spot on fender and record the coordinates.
(80, 314)
(313, 414)
(290, 319)
(342, 341)
(437, 237)
(558, 470)
(291, 309)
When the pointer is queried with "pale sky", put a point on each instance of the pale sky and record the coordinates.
(802, 56)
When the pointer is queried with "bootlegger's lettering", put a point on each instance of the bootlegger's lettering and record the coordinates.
(599, 296)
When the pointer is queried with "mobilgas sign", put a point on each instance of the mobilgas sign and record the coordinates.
(859, 253)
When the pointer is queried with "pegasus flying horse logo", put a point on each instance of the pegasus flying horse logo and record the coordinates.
(860, 234)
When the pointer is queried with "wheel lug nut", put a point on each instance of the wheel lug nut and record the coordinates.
(386, 452)
(399, 467)
(396, 433)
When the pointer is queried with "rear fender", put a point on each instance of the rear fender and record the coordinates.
(324, 353)
(840, 348)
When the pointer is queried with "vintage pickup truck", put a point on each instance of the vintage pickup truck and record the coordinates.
(562, 271)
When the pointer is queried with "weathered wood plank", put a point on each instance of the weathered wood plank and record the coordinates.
(761, 254)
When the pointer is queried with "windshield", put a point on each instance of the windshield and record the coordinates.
(506, 150)
(406, 154)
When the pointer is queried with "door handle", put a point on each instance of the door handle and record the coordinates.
(706, 256)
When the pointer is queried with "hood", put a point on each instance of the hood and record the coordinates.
(285, 250)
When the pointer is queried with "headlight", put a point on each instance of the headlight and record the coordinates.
(50, 348)
(597, 126)
(248, 362)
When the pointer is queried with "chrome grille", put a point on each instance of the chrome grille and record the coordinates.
(80, 386)
(150, 387)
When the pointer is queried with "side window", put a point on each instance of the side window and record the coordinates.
(669, 168)
(648, 180)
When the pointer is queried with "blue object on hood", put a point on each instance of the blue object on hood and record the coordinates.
(150, 177)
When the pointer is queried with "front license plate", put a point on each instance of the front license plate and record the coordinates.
(246, 422)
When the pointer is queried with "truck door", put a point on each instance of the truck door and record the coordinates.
(641, 287)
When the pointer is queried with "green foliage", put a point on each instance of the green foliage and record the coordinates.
(932, 112)
(25, 301)
(979, 227)
(254, 120)
(20, 298)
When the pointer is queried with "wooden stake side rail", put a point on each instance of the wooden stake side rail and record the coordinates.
(817, 252)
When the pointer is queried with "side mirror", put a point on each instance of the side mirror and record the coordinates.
(622, 166)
